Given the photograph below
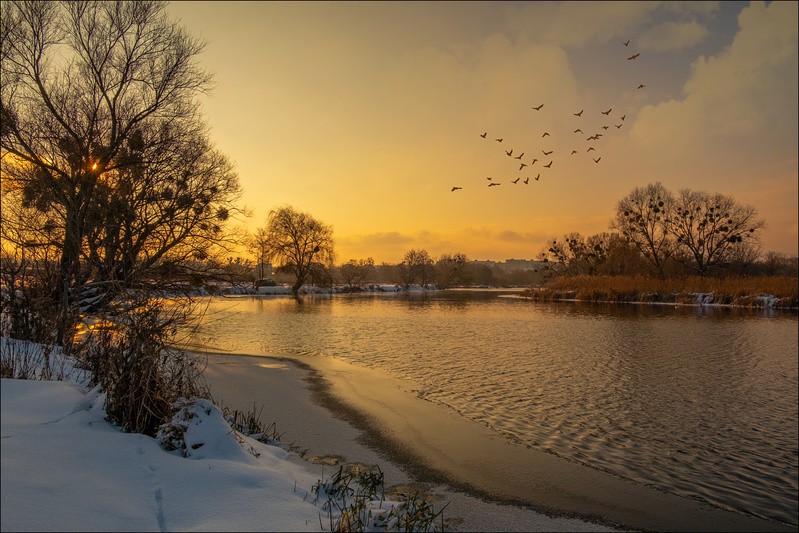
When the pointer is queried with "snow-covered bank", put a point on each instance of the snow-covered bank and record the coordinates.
(65, 468)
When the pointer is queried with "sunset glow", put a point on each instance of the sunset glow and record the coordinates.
(368, 114)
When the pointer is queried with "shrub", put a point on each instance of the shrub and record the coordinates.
(133, 361)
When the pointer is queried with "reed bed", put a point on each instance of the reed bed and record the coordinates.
(762, 291)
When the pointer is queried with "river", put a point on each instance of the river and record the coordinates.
(700, 402)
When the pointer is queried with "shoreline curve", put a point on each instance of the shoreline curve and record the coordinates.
(433, 444)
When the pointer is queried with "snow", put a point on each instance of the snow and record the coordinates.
(282, 290)
(65, 468)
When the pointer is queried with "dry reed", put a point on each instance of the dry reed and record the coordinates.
(774, 291)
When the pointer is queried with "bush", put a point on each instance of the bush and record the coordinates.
(133, 361)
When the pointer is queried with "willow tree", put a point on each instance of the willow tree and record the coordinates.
(101, 132)
(297, 242)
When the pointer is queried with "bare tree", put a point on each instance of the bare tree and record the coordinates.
(708, 228)
(101, 131)
(484, 275)
(775, 263)
(642, 217)
(621, 256)
(419, 267)
(452, 269)
(27, 264)
(259, 243)
(297, 241)
(576, 254)
(356, 272)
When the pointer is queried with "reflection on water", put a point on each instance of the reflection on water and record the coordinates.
(697, 401)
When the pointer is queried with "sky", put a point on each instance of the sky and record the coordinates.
(65, 468)
(367, 114)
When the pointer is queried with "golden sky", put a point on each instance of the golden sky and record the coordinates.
(366, 114)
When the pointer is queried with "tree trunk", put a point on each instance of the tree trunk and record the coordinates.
(68, 272)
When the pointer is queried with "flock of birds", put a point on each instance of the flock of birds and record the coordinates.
(548, 154)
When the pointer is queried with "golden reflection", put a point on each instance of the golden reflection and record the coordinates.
(89, 325)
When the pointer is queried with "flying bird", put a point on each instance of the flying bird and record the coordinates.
(634, 56)
(522, 166)
(578, 130)
(519, 156)
(483, 135)
(456, 189)
(545, 134)
(527, 180)
(509, 152)
(533, 162)
(627, 43)
(547, 153)
(489, 179)
(607, 112)
(515, 181)
(618, 126)
(592, 138)
(574, 152)
(538, 177)
(597, 159)
(590, 148)
(493, 184)
(548, 164)
(641, 86)
(499, 140)
(605, 127)
(578, 114)
(538, 108)
(623, 117)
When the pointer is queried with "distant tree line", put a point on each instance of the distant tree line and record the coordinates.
(417, 268)
(657, 232)
(654, 233)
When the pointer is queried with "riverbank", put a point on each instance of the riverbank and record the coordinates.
(56, 440)
(471, 463)
(324, 431)
(770, 292)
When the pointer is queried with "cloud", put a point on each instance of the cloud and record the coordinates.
(691, 8)
(743, 97)
(577, 23)
(672, 36)
(476, 242)
(390, 238)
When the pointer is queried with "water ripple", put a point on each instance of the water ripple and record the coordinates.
(699, 403)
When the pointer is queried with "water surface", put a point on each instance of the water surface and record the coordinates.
(697, 401)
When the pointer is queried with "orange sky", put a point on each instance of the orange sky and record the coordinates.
(366, 114)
